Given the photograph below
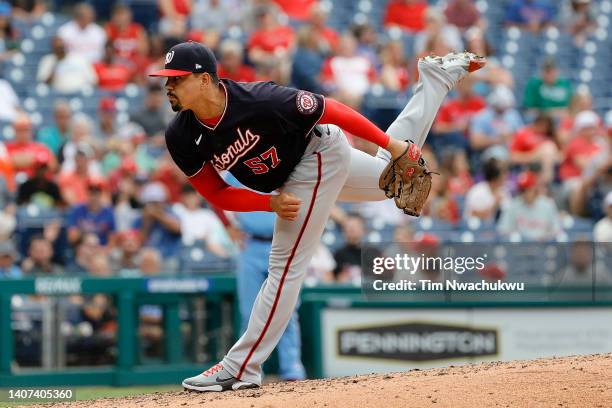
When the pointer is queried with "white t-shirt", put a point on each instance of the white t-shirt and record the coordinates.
(8, 102)
(351, 74)
(200, 224)
(603, 230)
(481, 198)
(72, 74)
(87, 43)
(537, 222)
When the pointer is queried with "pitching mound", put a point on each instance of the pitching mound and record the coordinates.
(583, 381)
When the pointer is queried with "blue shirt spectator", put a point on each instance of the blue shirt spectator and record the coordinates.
(100, 221)
(159, 225)
(91, 216)
(8, 255)
(496, 124)
(532, 14)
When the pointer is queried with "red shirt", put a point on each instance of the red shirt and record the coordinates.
(408, 16)
(457, 110)
(112, 77)
(244, 73)
(331, 36)
(577, 147)
(296, 9)
(126, 42)
(33, 148)
(269, 41)
(526, 140)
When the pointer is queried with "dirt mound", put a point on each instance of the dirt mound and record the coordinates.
(582, 381)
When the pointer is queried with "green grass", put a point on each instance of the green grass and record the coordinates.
(89, 393)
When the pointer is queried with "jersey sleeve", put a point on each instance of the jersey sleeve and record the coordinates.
(188, 160)
(299, 110)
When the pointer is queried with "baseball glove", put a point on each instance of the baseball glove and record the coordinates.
(408, 180)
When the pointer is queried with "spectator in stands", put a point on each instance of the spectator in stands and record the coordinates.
(9, 103)
(456, 167)
(54, 136)
(579, 18)
(75, 183)
(80, 136)
(493, 73)
(307, 61)
(212, 17)
(100, 266)
(582, 268)
(174, 17)
(495, 125)
(463, 14)
(272, 43)
(441, 205)
(9, 40)
(128, 38)
(82, 36)
(66, 73)
(348, 257)
(39, 259)
(107, 119)
(23, 151)
(531, 15)
(94, 216)
(85, 248)
(453, 121)
(348, 75)
(436, 25)
(367, 42)
(159, 225)
(487, 197)
(582, 100)
(125, 198)
(231, 63)
(125, 254)
(548, 92)
(152, 116)
(394, 74)
(531, 214)
(150, 262)
(536, 145)
(585, 169)
(197, 223)
(406, 14)
(327, 37)
(96, 322)
(321, 266)
(583, 147)
(113, 75)
(40, 189)
(8, 256)
(603, 229)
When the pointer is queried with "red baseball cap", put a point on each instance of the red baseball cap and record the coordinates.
(527, 179)
(188, 58)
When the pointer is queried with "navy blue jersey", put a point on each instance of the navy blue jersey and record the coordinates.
(260, 138)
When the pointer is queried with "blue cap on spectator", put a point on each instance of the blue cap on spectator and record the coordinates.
(187, 58)
(5, 9)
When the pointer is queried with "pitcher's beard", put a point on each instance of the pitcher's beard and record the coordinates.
(177, 107)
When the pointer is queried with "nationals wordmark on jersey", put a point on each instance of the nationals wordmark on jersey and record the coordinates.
(260, 138)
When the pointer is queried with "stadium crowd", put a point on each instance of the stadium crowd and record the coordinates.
(94, 192)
